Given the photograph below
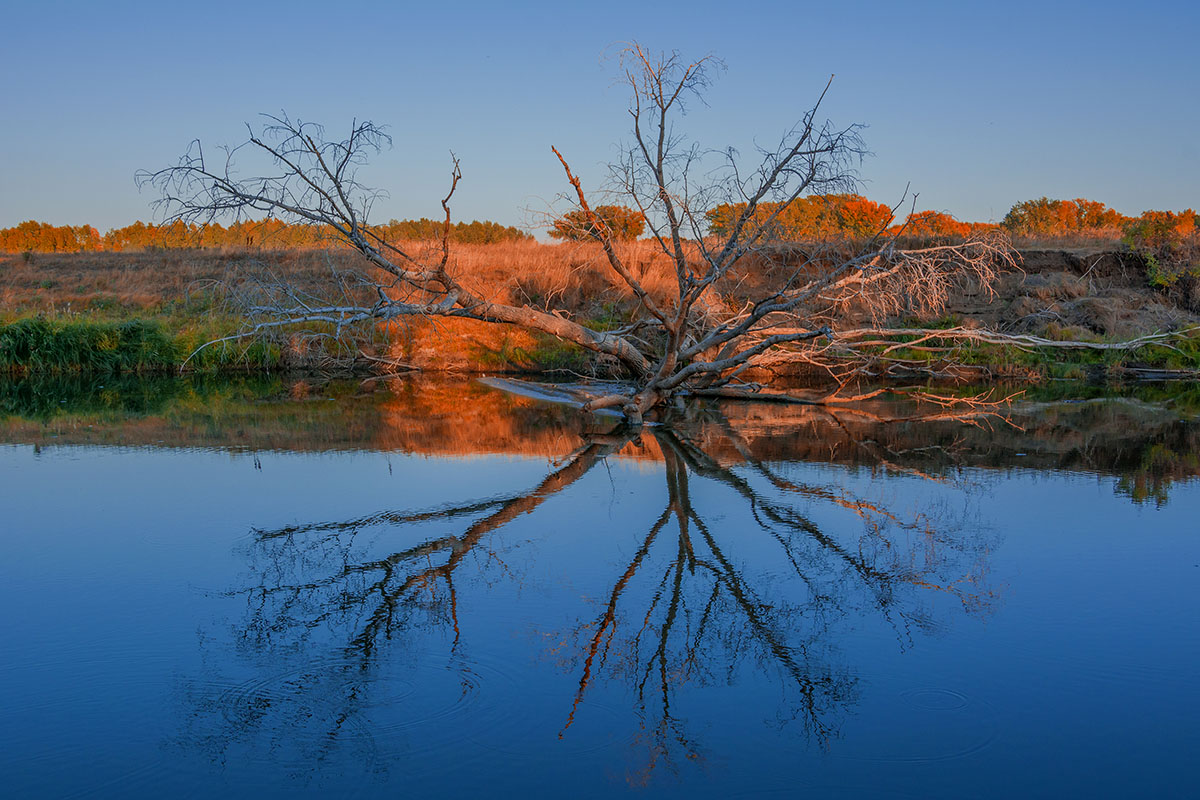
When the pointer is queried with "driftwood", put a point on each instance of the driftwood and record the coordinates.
(884, 337)
(877, 352)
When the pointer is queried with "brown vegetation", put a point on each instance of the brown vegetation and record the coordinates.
(137, 281)
(814, 218)
(573, 275)
(623, 223)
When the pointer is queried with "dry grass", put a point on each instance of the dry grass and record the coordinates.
(188, 289)
(573, 278)
(1060, 294)
(140, 281)
(570, 275)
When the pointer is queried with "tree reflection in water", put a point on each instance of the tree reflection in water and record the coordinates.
(685, 609)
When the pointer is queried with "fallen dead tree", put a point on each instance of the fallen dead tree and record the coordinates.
(718, 316)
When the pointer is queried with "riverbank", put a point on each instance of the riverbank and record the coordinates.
(148, 312)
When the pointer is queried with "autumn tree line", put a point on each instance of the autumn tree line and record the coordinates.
(819, 217)
(271, 234)
(855, 216)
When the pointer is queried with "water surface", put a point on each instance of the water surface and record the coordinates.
(261, 588)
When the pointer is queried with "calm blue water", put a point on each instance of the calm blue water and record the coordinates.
(523, 603)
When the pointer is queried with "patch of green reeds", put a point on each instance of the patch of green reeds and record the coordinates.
(54, 346)
(40, 345)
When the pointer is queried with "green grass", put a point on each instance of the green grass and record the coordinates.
(72, 344)
(37, 344)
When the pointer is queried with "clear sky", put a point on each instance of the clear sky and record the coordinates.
(976, 105)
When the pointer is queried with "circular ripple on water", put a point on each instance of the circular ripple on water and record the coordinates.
(442, 700)
(927, 724)
(289, 719)
(935, 699)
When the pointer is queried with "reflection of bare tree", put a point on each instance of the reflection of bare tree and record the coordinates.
(420, 578)
(703, 606)
(314, 588)
(688, 607)
(706, 610)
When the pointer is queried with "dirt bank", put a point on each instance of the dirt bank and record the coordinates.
(1062, 294)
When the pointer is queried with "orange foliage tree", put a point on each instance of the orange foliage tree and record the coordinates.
(41, 237)
(815, 217)
(1046, 217)
(623, 224)
(1162, 230)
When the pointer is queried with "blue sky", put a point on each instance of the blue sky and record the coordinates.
(974, 105)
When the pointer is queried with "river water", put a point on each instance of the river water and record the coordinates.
(265, 588)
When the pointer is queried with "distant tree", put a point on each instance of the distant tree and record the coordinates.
(1046, 217)
(41, 237)
(812, 218)
(1090, 214)
(623, 223)
(1162, 230)
(474, 232)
